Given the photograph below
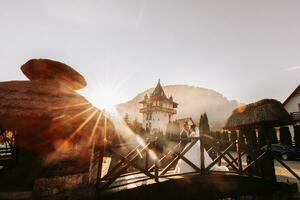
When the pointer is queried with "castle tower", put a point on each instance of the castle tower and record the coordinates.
(157, 110)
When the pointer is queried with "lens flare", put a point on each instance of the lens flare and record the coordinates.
(105, 97)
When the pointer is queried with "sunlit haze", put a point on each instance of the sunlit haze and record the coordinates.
(246, 50)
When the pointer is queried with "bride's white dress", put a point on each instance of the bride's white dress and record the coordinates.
(193, 155)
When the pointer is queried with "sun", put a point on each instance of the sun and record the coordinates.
(105, 97)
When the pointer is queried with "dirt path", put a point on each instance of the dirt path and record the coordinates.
(283, 175)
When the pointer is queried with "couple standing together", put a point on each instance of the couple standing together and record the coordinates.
(193, 154)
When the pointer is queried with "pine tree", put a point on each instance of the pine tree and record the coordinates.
(206, 128)
(136, 127)
(126, 119)
(201, 124)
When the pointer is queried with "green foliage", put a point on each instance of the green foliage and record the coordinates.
(135, 126)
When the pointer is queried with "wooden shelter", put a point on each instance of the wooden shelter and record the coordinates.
(54, 125)
(267, 111)
(255, 123)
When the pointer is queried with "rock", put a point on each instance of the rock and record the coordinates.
(45, 69)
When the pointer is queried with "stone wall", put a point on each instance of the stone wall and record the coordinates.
(55, 185)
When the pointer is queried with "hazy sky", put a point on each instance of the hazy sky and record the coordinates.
(246, 50)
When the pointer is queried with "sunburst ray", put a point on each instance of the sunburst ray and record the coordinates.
(95, 128)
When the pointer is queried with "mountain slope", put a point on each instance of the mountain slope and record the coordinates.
(192, 102)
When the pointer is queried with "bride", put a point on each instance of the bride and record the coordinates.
(193, 154)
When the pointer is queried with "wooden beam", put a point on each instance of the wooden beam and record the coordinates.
(219, 157)
(185, 150)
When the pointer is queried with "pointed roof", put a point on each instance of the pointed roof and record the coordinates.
(158, 92)
(296, 91)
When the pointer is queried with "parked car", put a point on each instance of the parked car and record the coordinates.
(285, 152)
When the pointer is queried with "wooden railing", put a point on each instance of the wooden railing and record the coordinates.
(154, 169)
(157, 108)
(6, 154)
(6, 147)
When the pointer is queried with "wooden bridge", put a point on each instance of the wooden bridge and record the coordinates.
(138, 175)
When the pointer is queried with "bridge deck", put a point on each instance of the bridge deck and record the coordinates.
(213, 185)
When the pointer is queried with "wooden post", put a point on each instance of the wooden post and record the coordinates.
(101, 151)
(252, 150)
(238, 149)
(267, 164)
(156, 171)
(220, 161)
(202, 158)
(147, 161)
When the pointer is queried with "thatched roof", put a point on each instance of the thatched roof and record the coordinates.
(40, 111)
(46, 111)
(46, 69)
(267, 111)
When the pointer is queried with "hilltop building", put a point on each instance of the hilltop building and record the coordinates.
(158, 110)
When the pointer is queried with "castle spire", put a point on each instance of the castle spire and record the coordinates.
(159, 92)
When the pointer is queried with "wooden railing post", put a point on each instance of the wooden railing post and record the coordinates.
(147, 156)
(202, 156)
(156, 171)
(147, 161)
(238, 149)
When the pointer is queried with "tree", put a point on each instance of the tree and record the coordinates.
(203, 124)
(137, 127)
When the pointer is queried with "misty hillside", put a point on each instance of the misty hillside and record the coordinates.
(192, 102)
